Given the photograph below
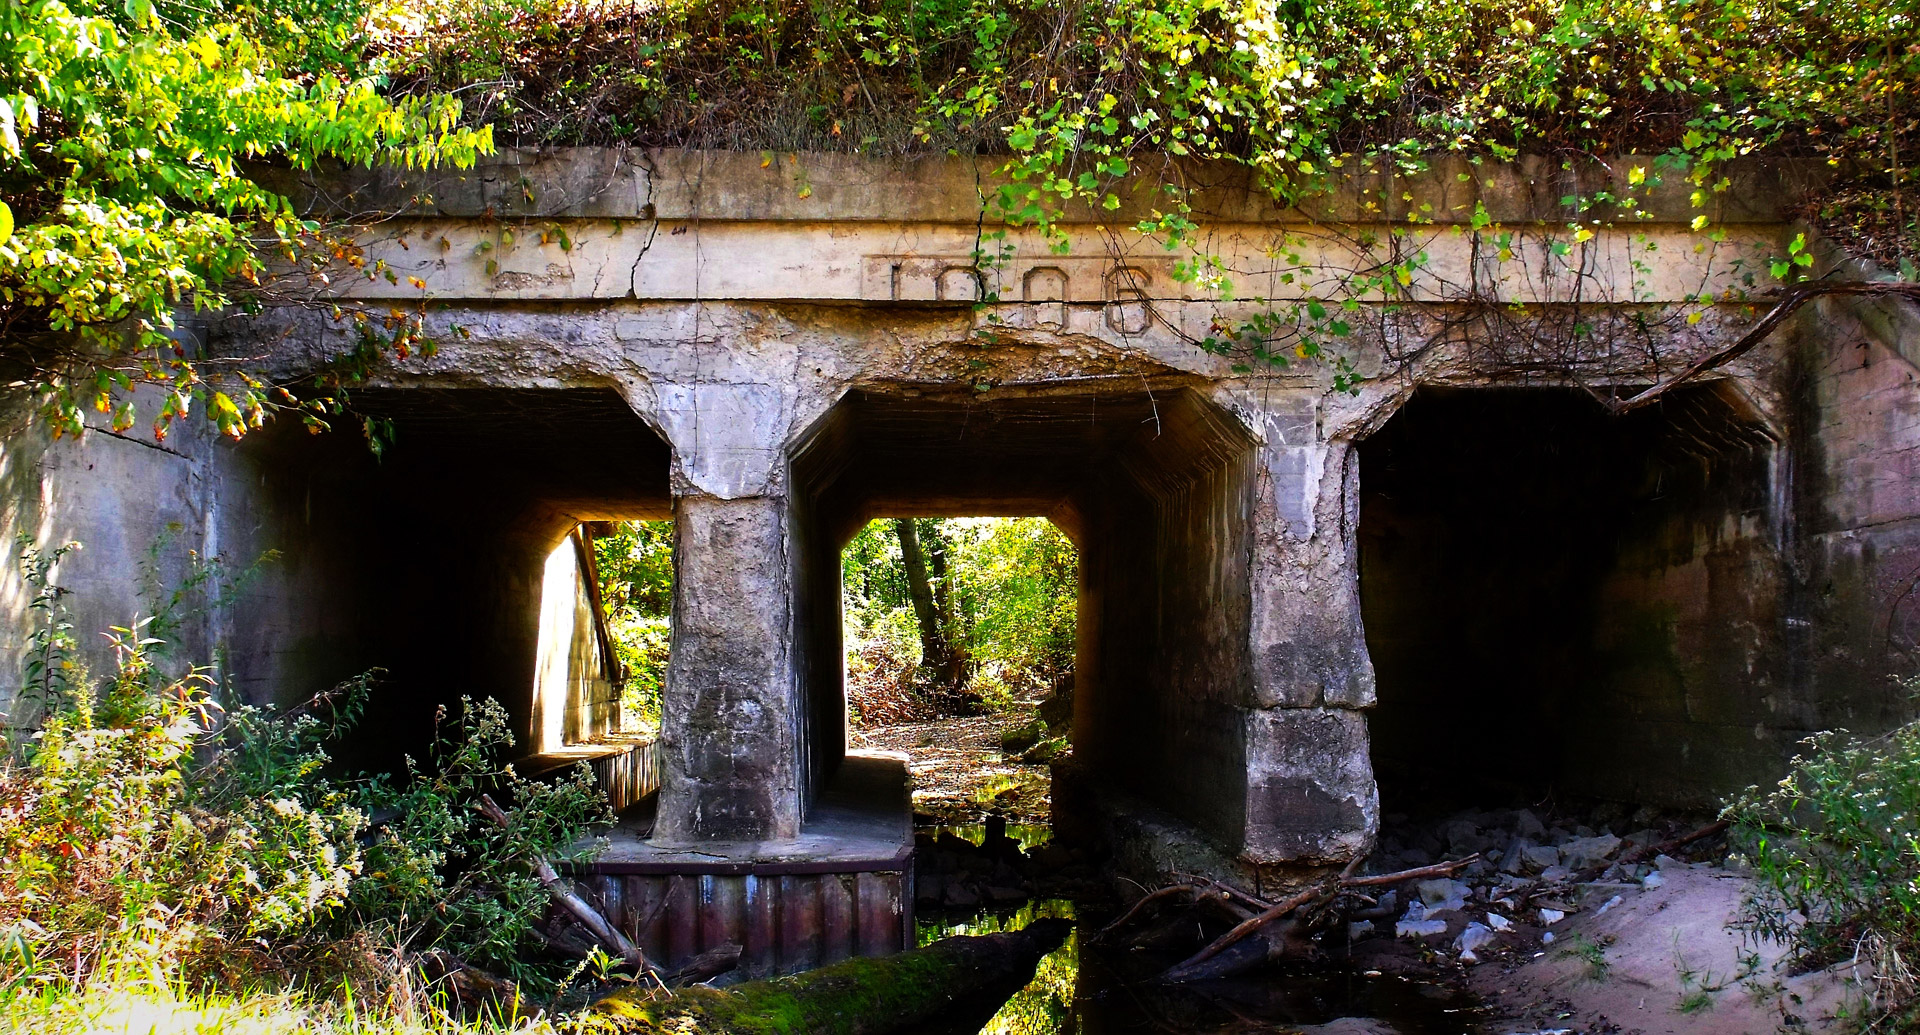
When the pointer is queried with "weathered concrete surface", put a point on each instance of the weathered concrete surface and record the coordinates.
(728, 732)
(786, 363)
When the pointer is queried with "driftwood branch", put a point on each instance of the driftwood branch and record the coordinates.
(1145, 901)
(1791, 299)
(1323, 890)
(563, 894)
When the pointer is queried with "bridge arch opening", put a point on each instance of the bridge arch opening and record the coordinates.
(457, 558)
(960, 647)
(1154, 488)
(1560, 602)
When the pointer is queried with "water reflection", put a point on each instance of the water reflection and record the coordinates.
(1027, 835)
(1045, 1005)
(1101, 991)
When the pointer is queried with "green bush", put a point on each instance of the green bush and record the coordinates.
(1007, 594)
(1835, 848)
(138, 820)
(143, 825)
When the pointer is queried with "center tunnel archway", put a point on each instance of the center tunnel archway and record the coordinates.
(1154, 487)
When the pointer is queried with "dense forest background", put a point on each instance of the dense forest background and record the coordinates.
(943, 616)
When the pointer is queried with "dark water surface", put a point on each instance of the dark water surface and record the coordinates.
(1079, 990)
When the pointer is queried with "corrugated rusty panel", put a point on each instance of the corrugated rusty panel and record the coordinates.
(762, 949)
(839, 915)
(799, 922)
(879, 919)
(605, 892)
(784, 924)
(627, 770)
(723, 911)
(629, 775)
(683, 919)
(646, 913)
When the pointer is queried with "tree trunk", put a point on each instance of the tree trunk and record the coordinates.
(936, 652)
(950, 987)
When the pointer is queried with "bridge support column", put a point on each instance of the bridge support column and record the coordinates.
(729, 718)
(1311, 797)
(728, 728)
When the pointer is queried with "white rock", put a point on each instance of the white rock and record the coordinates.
(1588, 851)
(1443, 894)
(1652, 880)
(1472, 938)
(1419, 928)
(1614, 901)
(1498, 922)
(1549, 917)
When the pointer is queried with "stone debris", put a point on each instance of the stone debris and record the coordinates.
(1536, 868)
(1475, 936)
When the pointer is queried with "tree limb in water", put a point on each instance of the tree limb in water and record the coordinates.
(1190, 966)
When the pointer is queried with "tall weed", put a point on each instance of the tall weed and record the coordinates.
(1836, 851)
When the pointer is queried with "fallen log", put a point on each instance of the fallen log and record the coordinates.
(706, 966)
(946, 986)
(563, 894)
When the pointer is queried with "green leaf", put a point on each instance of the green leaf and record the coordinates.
(6, 222)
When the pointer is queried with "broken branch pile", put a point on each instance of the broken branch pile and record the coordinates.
(1216, 960)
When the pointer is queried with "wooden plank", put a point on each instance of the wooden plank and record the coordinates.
(762, 947)
(683, 919)
(800, 922)
(838, 918)
(879, 917)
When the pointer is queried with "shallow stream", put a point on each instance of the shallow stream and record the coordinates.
(1078, 990)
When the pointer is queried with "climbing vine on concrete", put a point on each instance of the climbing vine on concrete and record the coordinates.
(126, 130)
(1096, 108)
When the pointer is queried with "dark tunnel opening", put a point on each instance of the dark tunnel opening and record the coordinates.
(430, 559)
(1559, 601)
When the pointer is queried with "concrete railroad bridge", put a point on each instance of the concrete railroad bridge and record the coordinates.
(1291, 597)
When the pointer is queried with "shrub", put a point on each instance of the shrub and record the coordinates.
(136, 820)
(146, 829)
(441, 876)
(1836, 850)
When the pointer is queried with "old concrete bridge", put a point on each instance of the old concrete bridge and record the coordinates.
(1466, 572)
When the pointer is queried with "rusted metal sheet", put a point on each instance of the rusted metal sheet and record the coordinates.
(844, 888)
(784, 924)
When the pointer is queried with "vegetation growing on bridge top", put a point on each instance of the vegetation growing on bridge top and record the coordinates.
(1079, 94)
(124, 126)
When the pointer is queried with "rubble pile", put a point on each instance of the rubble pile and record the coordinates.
(1528, 874)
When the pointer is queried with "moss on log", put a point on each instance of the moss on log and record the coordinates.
(917, 991)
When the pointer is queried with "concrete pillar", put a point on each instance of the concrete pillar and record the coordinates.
(727, 729)
(1311, 796)
(729, 724)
